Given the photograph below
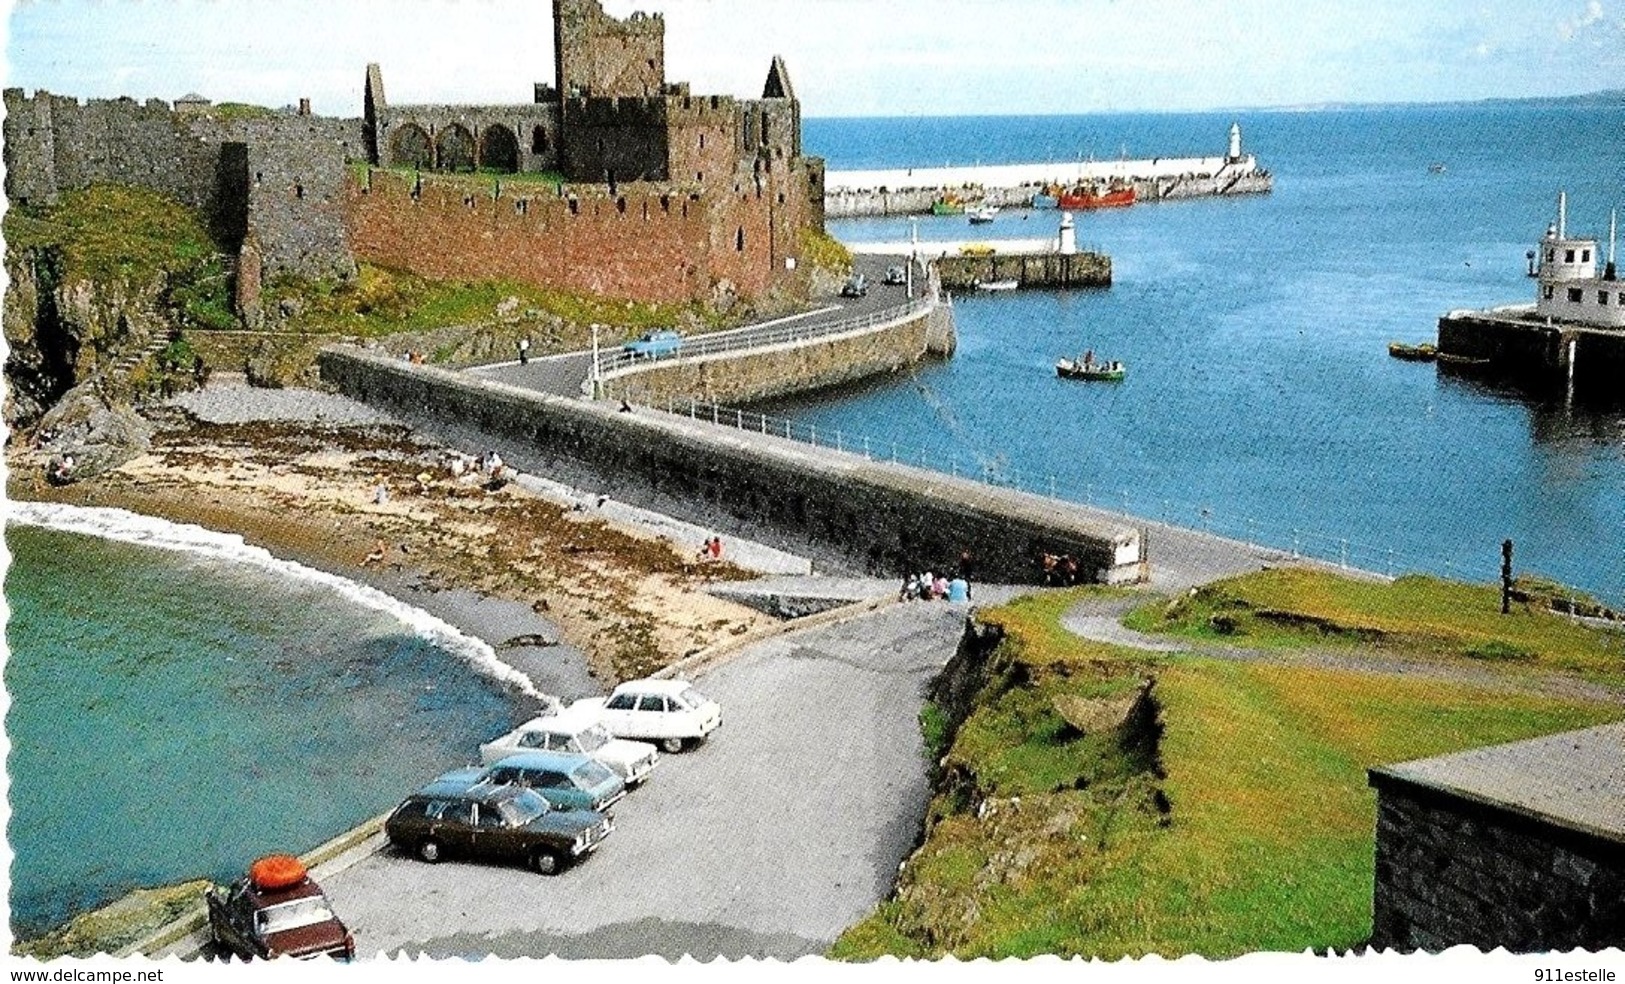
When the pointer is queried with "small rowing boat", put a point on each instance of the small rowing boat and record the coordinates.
(1413, 353)
(1088, 369)
(997, 285)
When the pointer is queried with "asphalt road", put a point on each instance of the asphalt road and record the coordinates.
(563, 375)
(786, 827)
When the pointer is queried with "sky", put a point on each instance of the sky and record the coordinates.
(846, 57)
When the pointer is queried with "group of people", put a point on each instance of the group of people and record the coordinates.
(711, 549)
(59, 470)
(929, 586)
(1061, 570)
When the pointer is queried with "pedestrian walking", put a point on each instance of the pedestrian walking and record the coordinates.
(524, 351)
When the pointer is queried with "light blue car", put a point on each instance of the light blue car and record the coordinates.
(566, 780)
(655, 344)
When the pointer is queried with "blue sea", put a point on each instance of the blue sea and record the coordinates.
(182, 704)
(1260, 399)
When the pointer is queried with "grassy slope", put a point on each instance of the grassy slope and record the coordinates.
(1269, 843)
(1421, 615)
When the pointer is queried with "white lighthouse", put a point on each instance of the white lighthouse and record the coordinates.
(1234, 157)
(1069, 236)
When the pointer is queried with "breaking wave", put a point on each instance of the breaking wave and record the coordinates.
(129, 527)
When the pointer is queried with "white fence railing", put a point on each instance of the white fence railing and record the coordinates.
(1135, 506)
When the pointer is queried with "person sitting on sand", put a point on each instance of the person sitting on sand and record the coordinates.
(379, 552)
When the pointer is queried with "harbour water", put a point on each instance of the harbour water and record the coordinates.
(1260, 399)
(182, 703)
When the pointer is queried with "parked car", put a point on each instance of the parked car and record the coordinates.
(581, 733)
(670, 713)
(654, 344)
(566, 780)
(896, 275)
(277, 910)
(856, 285)
(976, 249)
(456, 815)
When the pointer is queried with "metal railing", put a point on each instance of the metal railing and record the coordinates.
(1130, 506)
(621, 361)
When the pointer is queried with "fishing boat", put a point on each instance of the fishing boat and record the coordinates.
(983, 214)
(1091, 196)
(1424, 352)
(948, 205)
(1437, 167)
(1088, 369)
(997, 285)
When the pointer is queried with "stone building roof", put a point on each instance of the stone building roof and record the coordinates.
(1575, 779)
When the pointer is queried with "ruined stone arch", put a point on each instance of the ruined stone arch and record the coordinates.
(454, 149)
(409, 146)
(499, 149)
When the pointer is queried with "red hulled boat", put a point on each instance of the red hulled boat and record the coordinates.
(1090, 196)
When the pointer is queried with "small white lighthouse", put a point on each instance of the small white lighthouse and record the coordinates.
(1234, 157)
(1069, 236)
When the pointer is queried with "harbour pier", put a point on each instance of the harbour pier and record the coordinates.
(964, 264)
(911, 191)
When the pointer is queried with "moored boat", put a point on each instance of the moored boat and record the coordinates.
(1050, 197)
(1088, 369)
(997, 285)
(1424, 352)
(983, 214)
(948, 205)
(1092, 196)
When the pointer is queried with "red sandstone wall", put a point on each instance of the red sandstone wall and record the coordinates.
(646, 252)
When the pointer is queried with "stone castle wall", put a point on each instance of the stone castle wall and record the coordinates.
(279, 177)
(643, 242)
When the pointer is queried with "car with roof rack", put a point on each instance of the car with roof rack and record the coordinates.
(277, 910)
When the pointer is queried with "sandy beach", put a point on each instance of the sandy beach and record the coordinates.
(575, 600)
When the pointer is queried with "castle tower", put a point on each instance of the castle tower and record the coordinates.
(598, 55)
(372, 104)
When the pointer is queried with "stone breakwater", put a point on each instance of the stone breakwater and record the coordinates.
(847, 510)
(905, 191)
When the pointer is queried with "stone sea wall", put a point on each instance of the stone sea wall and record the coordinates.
(843, 509)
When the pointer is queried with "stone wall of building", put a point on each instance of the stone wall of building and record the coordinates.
(842, 509)
(1453, 870)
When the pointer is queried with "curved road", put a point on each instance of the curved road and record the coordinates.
(563, 375)
(786, 827)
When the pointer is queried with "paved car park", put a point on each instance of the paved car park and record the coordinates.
(784, 828)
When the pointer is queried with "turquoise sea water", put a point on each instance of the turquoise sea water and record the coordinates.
(174, 716)
(1260, 399)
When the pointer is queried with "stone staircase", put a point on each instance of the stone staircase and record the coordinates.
(107, 381)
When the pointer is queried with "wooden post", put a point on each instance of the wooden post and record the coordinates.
(1506, 577)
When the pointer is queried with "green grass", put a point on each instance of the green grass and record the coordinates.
(380, 301)
(1290, 607)
(111, 234)
(825, 251)
(1245, 824)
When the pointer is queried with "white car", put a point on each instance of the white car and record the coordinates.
(670, 713)
(576, 730)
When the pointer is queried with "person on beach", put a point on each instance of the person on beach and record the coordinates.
(524, 351)
(939, 588)
(380, 494)
(715, 547)
(379, 551)
(959, 589)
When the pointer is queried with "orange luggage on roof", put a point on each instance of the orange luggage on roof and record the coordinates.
(276, 871)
